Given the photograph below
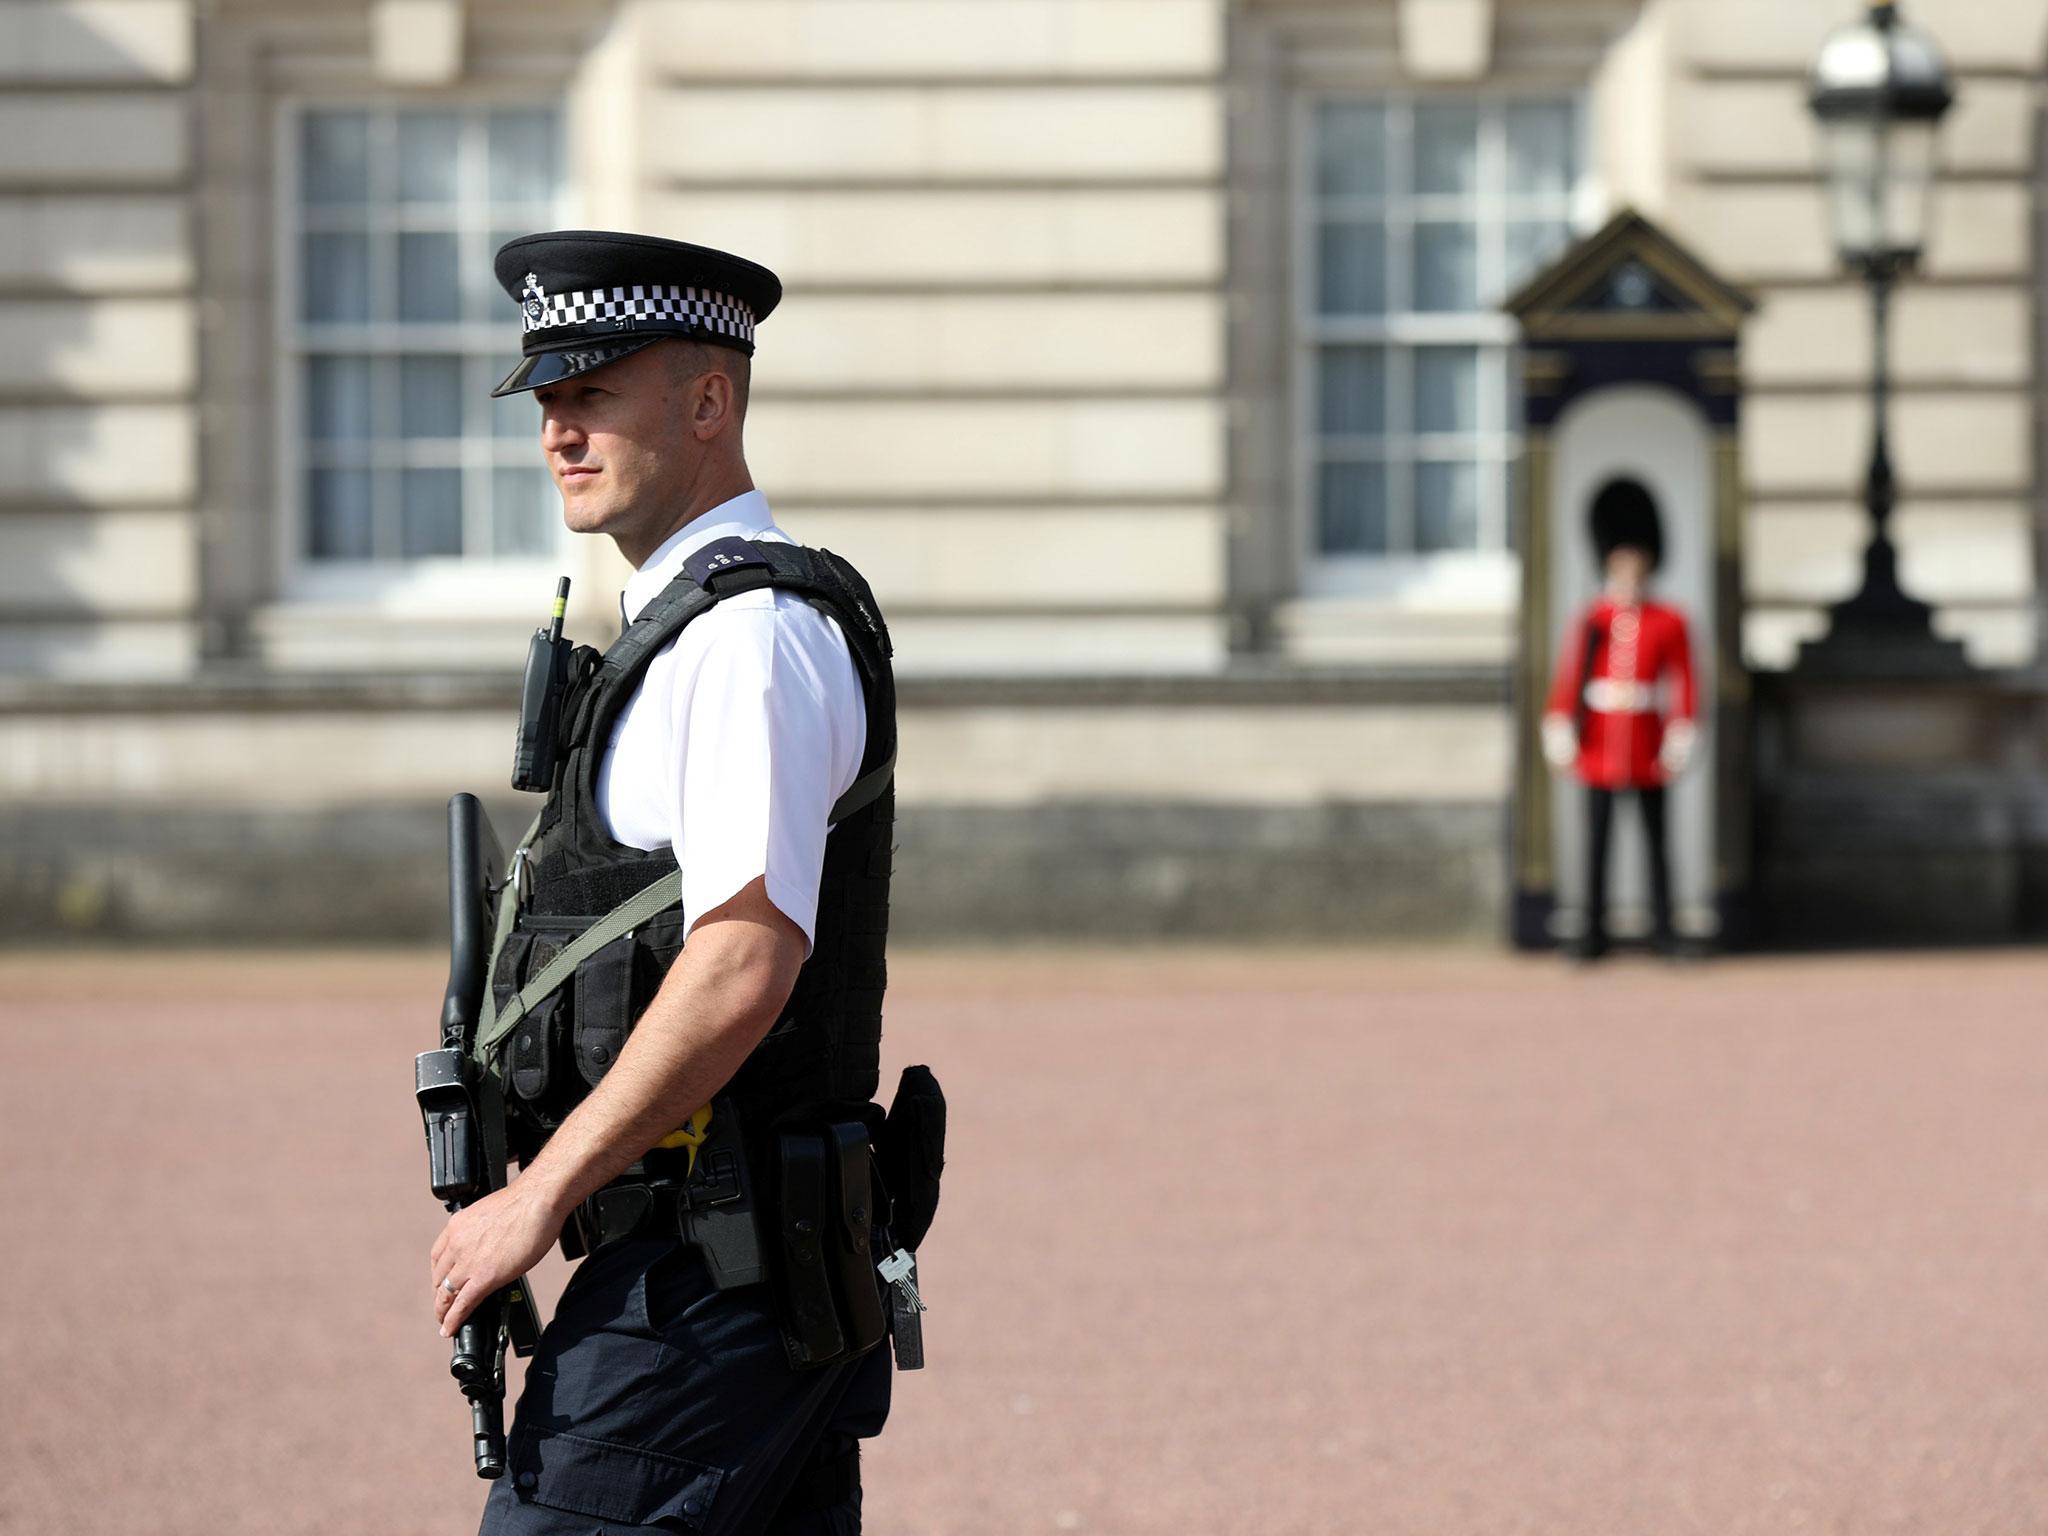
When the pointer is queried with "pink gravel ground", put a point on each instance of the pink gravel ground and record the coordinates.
(1252, 1241)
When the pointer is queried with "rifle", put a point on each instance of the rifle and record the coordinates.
(463, 1109)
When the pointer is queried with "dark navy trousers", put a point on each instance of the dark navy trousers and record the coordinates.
(656, 1403)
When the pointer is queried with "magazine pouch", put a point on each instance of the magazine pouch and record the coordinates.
(827, 1291)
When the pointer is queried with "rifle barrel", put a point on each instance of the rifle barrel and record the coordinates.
(468, 938)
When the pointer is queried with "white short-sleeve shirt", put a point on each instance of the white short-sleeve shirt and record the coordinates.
(744, 731)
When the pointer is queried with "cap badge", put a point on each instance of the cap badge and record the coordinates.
(533, 294)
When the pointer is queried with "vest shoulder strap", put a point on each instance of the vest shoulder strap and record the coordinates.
(725, 568)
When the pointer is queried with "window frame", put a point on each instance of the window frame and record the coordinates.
(1483, 577)
(473, 584)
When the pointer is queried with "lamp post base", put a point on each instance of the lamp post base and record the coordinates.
(1859, 646)
(1881, 632)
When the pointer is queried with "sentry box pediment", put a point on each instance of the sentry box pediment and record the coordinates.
(1629, 282)
(1629, 369)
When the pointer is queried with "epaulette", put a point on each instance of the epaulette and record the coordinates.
(722, 557)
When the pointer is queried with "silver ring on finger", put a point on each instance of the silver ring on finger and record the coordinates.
(448, 1284)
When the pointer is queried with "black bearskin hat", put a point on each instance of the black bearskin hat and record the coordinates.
(1625, 517)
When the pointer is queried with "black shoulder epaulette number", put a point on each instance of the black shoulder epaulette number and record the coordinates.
(721, 557)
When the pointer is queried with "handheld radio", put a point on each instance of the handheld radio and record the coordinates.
(540, 701)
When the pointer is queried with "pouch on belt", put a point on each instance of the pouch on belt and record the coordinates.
(829, 1295)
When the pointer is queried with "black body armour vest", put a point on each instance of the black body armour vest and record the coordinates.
(825, 1048)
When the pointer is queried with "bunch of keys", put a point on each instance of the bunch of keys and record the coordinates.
(900, 1270)
(906, 1327)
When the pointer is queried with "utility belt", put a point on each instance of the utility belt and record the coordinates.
(799, 1208)
(703, 1193)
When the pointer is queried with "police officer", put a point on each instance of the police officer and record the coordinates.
(738, 736)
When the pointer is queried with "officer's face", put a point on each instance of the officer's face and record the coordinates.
(628, 442)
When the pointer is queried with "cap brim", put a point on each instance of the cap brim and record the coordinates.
(540, 369)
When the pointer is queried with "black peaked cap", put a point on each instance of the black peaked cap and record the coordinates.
(588, 297)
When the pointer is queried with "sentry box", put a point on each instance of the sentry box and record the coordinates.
(1630, 370)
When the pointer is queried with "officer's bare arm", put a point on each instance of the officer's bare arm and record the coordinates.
(723, 993)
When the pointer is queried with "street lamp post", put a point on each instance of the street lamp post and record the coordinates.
(1879, 89)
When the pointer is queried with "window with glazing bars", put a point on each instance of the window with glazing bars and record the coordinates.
(1421, 216)
(397, 331)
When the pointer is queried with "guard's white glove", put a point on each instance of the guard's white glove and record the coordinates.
(1560, 742)
(1680, 736)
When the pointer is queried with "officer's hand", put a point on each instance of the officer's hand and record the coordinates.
(488, 1245)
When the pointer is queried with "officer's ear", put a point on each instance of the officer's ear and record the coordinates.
(713, 404)
(713, 389)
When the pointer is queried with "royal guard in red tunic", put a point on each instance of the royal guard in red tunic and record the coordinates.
(1621, 716)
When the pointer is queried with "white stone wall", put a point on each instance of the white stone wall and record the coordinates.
(956, 755)
(98, 431)
(997, 377)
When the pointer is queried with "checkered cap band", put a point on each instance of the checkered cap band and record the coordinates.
(646, 301)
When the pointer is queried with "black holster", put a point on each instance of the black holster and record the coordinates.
(719, 1215)
(828, 1294)
(707, 1200)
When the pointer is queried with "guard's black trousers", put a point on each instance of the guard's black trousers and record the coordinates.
(1599, 821)
(656, 1403)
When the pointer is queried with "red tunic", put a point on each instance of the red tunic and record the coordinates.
(1626, 712)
